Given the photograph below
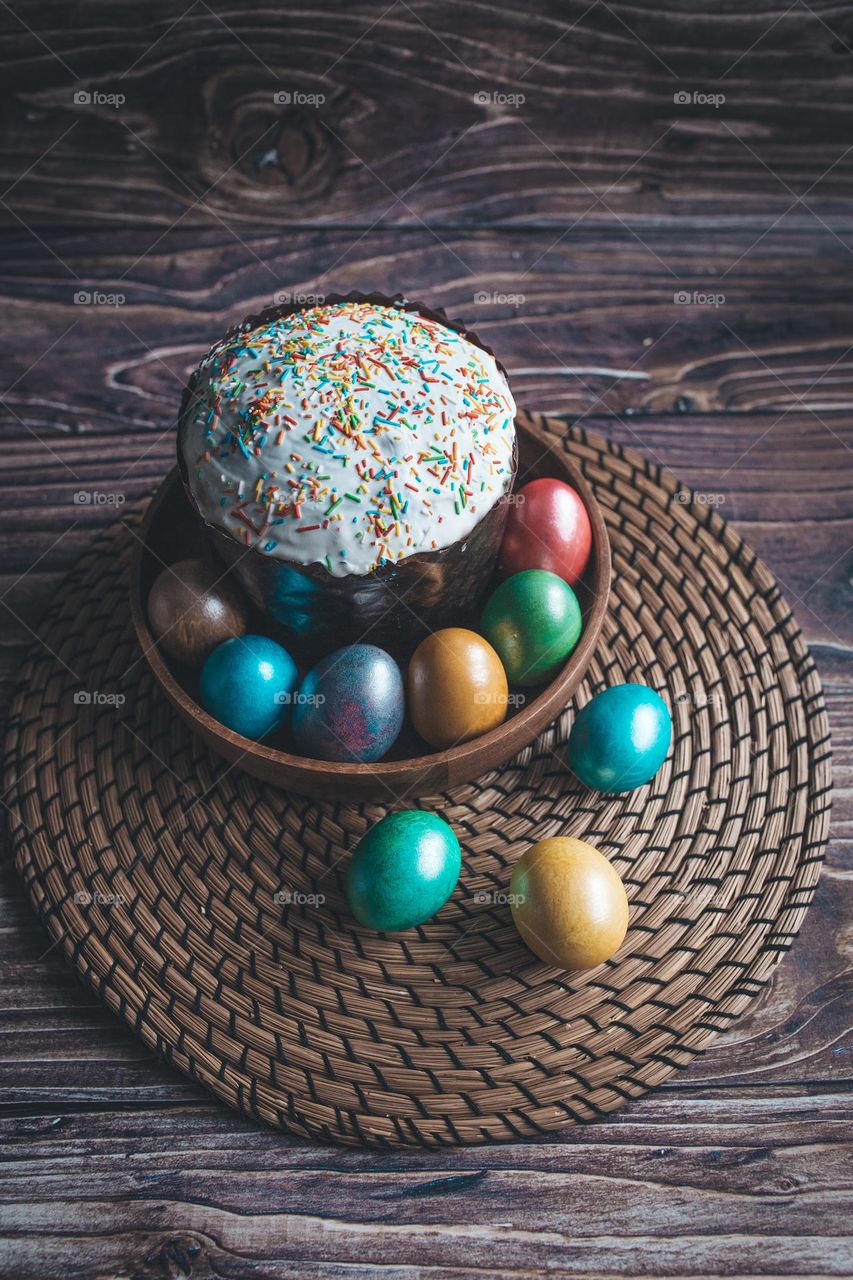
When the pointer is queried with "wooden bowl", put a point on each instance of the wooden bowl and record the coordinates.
(171, 531)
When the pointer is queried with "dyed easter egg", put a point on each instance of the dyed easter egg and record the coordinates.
(192, 607)
(248, 683)
(620, 739)
(350, 706)
(403, 870)
(568, 903)
(547, 528)
(457, 687)
(533, 620)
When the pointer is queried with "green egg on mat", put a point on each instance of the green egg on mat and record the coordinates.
(403, 871)
(533, 620)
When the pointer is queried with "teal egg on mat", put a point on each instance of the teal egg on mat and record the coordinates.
(621, 738)
(248, 683)
(533, 620)
(403, 870)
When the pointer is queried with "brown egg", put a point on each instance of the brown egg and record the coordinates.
(457, 687)
(192, 608)
(568, 903)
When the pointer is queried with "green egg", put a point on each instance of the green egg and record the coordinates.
(533, 620)
(403, 871)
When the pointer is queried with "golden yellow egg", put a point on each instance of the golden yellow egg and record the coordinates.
(457, 687)
(568, 903)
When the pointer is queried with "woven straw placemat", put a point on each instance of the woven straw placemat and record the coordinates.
(208, 910)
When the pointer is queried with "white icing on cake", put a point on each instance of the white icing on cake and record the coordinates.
(351, 435)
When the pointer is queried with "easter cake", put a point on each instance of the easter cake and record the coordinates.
(350, 462)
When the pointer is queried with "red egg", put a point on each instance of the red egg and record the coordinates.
(547, 528)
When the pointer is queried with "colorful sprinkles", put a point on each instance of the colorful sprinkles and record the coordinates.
(361, 426)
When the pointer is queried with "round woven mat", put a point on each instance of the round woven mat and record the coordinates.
(166, 874)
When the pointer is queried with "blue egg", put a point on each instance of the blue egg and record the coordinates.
(620, 739)
(248, 684)
(350, 706)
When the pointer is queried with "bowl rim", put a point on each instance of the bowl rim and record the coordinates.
(542, 709)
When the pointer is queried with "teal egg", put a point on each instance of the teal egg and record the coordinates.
(533, 620)
(403, 871)
(248, 684)
(620, 739)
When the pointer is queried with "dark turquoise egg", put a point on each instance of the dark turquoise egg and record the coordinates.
(621, 738)
(248, 683)
(403, 871)
(350, 706)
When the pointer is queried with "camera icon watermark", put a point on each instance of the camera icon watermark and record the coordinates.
(494, 297)
(97, 698)
(491, 698)
(296, 98)
(95, 298)
(98, 498)
(696, 298)
(95, 98)
(701, 699)
(84, 898)
(498, 898)
(295, 898)
(285, 298)
(687, 498)
(696, 98)
(497, 98)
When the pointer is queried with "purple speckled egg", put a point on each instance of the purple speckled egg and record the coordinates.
(350, 706)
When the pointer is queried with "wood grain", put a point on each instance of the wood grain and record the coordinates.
(418, 118)
(579, 214)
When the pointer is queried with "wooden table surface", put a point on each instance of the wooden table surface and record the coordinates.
(673, 269)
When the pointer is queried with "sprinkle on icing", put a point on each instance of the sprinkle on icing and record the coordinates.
(351, 435)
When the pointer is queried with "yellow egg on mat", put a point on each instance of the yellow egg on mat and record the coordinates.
(568, 903)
